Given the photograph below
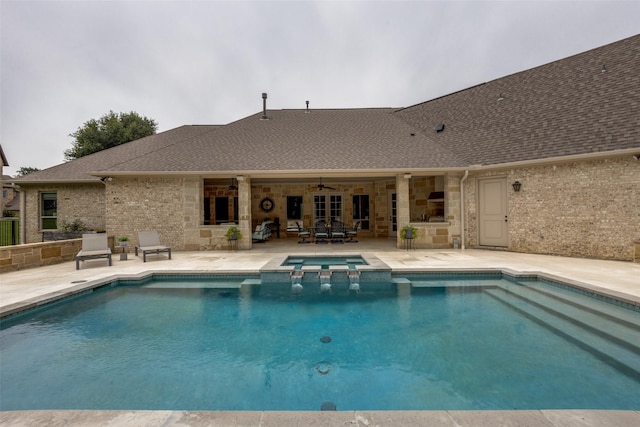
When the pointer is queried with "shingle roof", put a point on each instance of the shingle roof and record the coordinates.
(294, 140)
(81, 169)
(567, 107)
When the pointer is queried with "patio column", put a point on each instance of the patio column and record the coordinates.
(402, 204)
(244, 211)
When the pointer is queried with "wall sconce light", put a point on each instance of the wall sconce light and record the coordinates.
(516, 186)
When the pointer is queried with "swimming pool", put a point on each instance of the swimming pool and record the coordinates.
(427, 342)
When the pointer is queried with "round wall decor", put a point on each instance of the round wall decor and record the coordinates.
(267, 204)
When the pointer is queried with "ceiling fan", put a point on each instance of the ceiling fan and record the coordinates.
(321, 186)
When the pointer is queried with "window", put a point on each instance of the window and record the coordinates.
(49, 211)
(320, 207)
(222, 210)
(336, 207)
(294, 207)
(361, 210)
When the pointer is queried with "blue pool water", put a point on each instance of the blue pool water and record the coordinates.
(447, 344)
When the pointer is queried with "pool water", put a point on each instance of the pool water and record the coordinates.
(324, 260)
(181, 347)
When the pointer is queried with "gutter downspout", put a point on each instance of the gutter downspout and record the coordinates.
(462, 234)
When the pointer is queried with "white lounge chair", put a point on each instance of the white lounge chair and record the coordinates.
(149, 243)
(93, 246)
(263, 232)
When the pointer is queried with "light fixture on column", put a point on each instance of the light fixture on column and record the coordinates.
(516, 186)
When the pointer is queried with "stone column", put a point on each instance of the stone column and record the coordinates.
(452, 205)
(402, 204)
(244, 211)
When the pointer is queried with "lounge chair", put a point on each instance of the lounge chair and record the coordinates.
(262, 233)
(352, 232)
(94, 246)
(303, 234)
(149, 243)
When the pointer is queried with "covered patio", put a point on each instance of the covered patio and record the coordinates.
(378, 205)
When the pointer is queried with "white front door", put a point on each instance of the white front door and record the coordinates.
(492, 212)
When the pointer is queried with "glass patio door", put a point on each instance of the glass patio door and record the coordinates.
(327, 207)
(361, 210)
(393, 214)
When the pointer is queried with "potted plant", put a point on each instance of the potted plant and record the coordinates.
(123, 241)
(412, 234)
(233, 233)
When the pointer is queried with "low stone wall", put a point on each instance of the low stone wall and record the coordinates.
(431, 235)
(38, 254)
(213, 237)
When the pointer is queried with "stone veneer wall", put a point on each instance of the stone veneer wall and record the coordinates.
(38, 254)
(585, 209)
(173, 206)
(435, 235)
(75, 201)
(165, 204)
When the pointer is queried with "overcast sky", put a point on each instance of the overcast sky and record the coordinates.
(208, 62)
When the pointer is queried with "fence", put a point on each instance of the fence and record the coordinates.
(9, 231)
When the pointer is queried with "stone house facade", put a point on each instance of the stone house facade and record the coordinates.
(585, 208)
(567, 132)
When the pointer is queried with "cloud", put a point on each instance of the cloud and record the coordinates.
(207, 62)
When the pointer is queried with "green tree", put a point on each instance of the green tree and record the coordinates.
(26, 170)
(108, 131)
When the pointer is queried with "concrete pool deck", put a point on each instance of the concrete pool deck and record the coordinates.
(32, 286)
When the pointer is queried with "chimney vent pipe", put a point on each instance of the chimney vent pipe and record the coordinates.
(264, 106)
(307, 107)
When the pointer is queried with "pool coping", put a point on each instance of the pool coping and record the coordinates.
(373, 263)
(544, 417)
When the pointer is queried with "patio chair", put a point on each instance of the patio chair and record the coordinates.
(321, 232)
(94, 246)
(352, 232)
(338, 232)
(149, 243)
(303, 234)
(262, 233)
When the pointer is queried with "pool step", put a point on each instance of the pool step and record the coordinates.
(581, 312)
(607, 344)
(620, 314)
